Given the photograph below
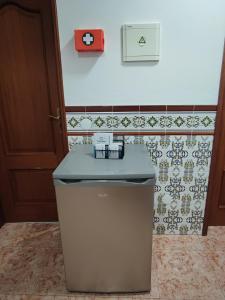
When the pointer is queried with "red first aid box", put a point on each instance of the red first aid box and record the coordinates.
(89, 40)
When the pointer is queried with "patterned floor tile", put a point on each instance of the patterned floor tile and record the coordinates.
(84, 297)
(11, 233)
(31, 270)
(108, 297)
(217, 260)
(176, 242)
(217, 232)
(215, 297)
(15, 297)
(212, 244)
(30, 234)
(50, 278)
(29, 297)
(183, 267)
(42, 235)
(186, 275)
(14, 271)
(214, 241)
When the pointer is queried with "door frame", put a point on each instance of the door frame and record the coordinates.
(59, 75)
(61, 101)
(216, 146)
(1, 216)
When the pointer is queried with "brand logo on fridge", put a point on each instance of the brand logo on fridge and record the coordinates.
(102, 195)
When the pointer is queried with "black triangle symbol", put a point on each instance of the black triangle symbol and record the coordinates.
(142, 40)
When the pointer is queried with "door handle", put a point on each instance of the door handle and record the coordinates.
(57, 117)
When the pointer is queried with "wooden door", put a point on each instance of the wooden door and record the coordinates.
(1, 216)
(215, 205)
(32, 121)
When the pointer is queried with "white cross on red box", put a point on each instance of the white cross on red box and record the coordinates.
(88, 39)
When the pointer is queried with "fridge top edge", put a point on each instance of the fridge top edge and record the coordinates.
(103, 177)
(80, 163)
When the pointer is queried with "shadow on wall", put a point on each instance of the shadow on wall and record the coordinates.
(73, 65)
(139, 63)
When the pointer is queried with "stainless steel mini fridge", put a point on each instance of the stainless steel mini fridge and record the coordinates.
(105, 210)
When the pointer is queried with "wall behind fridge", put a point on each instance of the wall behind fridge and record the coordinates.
(192, 37)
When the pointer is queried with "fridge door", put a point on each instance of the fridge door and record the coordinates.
(106, 229)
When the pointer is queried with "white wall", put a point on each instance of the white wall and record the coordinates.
(192, 37)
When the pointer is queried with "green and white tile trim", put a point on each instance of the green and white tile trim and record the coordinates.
(135, 121)
(182, 168)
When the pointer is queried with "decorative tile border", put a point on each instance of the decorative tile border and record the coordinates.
(202, 121)
(182, 166)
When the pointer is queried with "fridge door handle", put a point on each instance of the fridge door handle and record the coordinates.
(108, 182)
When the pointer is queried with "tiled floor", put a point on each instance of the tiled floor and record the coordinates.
(183, 267)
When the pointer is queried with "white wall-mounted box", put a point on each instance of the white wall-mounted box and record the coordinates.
(141, 42)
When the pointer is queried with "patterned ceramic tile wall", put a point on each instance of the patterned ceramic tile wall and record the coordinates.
(182, 168)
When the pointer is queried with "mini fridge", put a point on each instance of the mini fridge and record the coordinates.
(105, 210)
